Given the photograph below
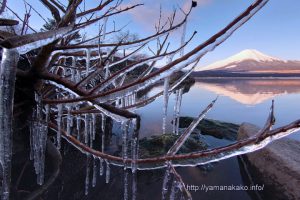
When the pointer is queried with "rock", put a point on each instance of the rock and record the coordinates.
(215, 128)
(278, 164)
(159, 145)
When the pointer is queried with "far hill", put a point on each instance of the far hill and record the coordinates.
(251, 63)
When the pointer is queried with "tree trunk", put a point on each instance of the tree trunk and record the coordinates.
(7, 88)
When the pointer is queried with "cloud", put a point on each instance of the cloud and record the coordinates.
(148, 14)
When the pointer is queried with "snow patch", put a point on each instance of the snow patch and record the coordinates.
(248, 54)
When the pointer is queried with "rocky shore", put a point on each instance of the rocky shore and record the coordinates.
(277, 166)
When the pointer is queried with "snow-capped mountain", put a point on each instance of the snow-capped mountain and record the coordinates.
(252, 61)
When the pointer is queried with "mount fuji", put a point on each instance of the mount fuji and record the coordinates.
(251, 62)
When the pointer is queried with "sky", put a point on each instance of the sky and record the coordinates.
(274, 30)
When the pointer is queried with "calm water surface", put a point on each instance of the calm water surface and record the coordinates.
(239, 101)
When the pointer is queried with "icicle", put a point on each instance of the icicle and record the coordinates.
(69, 119)
(165, 107)
(73, 70)
(59, 124)
(103, 132)
(125, 184)
(78, 76)
(94, 173)
(38, 106)
(41, 163)
(88, 61)
(100, 166)
(106, 72)
(87, 176)
(175, 111)
(93, 126)
(86, 128)
(38, 140)
(173, 190)
(166, 180)
(177, 106)
(104, 28)
(134, 185)
(134, 146)
(103, 123)
(178, 110)
(47, 111)
(124, 137)
(78, 124)
(107, 175)
(183, 38)
(91, 131)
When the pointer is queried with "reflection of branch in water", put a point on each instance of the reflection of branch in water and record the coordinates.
(55, 156)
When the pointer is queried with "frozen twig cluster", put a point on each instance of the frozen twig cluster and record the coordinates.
(83, 83)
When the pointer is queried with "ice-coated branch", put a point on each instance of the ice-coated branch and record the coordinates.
(25, 43)
(180, 182)
(180, 63)
(54, 11)
(194, 158)
(182, 138)
(269, 123)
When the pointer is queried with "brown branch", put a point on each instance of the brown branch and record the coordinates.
(58, 6)
(98, 8)
(53, 10)
(237, 148)
(8, 22)
(18, 41)
(212, 40)
(183, 137)
(178, 178)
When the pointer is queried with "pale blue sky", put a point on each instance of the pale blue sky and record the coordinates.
(274, 30)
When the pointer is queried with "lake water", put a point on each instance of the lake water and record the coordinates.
(240, 100)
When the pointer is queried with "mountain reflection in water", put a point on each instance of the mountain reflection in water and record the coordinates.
(250, 91)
